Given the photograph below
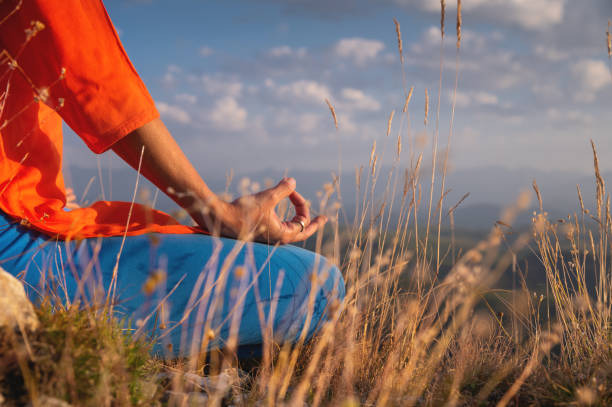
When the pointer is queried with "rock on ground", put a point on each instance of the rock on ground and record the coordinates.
(16, 311)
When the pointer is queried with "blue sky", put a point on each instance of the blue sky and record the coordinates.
(242, 84)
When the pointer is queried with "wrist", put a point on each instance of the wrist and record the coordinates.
(214, 214)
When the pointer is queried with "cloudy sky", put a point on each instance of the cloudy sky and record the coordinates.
(242, 84)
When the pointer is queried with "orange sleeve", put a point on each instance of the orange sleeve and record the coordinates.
(104, 99)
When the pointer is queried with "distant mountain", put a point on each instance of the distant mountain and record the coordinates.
(490, 189)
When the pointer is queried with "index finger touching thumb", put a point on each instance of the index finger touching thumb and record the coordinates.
(283, 189)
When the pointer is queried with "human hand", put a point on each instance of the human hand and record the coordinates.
(152, 150)
(253, 217)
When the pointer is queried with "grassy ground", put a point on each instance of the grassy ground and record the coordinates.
(422, 322)
(77, 355)
(403, 338)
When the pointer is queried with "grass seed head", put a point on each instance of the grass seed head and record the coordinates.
(580, 198)
(609, 38)
(239, 272)
(426, 106)
(538, 194)
(374, 165)
(601, 185)
(523, 201)
(210, 334)
(408, 99)
(333, 112)
(585, 396)
(399, 145)
(459, 21)
(389, 122)
(156, 278)
(35, 28)
(372, 152)
(399, 39)
(442, 16)
(406, 182)
(418, 164)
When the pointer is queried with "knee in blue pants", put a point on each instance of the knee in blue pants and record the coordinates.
(189, 291)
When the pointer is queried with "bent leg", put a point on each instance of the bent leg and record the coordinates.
(186, 288)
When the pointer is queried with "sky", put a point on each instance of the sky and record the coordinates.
(242, 84)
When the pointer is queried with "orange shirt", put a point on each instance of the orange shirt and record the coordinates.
(63, 60)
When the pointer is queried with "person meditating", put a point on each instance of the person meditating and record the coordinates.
(62, 60)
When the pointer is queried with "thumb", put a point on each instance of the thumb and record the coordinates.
(283, 189)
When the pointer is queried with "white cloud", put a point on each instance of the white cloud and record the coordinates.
(461, 99)
(308, 122)
(466, 99)
(288, 122)
(228, 115)
(287, 51)
(513, 119)
(432, 35)
(173, 113)
(220, 86)
(390, 58)
(356, 99)
(206, 51)
(347, 124)
(549, 91)
(592, 76)
(550, 53)
(484, 98)
(304, 90)
(557, 115)
(360, 50)
(487, 63)
(269, 83)
(186, 98)
(170, 78)
(529, 14)
(472, 40)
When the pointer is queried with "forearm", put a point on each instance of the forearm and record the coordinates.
(166, 166)
(252, 217)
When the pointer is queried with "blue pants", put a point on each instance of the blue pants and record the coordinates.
(184, 290)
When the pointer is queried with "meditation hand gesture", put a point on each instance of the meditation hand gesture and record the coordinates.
(253, 217)
(153, 151)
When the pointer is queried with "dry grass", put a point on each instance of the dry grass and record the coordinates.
(609, 40)
(405, 335)
(459, 22)
(333, 112)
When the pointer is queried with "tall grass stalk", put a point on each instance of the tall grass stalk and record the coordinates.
(408, 333)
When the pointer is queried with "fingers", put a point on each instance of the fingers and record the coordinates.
(310, 229)
(282, 190)
(292, 231)
(301, 220)
(302, 210)
(295, 233)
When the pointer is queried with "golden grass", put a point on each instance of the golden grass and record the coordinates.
(442, 16)
(426, 107)
(609, 40)
(406, 334)
(389, 122)
(333, 112)
(459, 22)
(399, 40)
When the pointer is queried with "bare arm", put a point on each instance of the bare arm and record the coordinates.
(250, 217)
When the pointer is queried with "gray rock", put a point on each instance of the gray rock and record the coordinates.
(16, 311)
